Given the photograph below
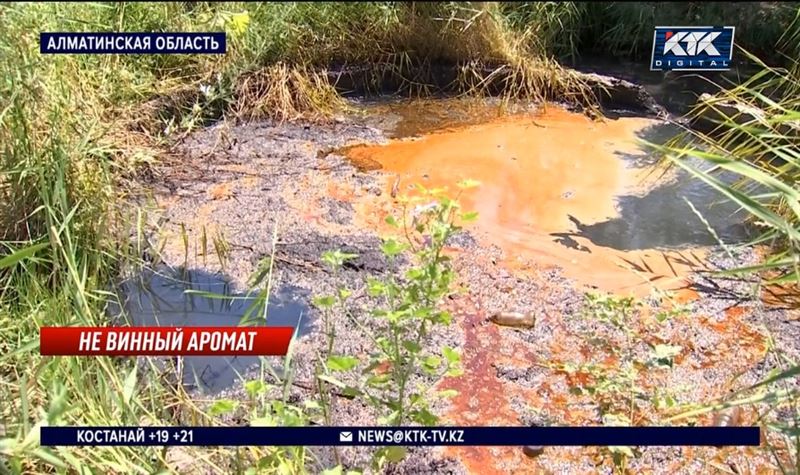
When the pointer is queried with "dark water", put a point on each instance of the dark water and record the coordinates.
(403, 118)
(661, 218)
(677, 91)
(159, 299)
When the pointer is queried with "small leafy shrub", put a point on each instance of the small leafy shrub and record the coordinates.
(612, 377)
(406, 309)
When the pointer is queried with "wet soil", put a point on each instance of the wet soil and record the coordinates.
(296, 190)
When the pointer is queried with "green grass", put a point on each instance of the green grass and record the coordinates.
(624, 28)
(757, 138)
(72, 127)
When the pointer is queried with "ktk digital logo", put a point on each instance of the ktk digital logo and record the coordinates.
(692, 48)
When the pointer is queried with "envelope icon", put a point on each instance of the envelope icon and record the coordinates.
(345, 436)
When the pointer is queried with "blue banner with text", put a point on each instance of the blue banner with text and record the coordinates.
(692, 48)
(132, 43)
(405, 436)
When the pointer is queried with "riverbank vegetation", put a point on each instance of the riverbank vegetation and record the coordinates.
(757, 138)
(73, 128)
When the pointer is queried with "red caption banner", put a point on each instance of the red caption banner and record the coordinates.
(165, 341)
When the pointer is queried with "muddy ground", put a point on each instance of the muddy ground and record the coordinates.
(242, 182)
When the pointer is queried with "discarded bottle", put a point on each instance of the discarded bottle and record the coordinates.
(729, 417)
(514, 319)
(395, 187)
(533, 451)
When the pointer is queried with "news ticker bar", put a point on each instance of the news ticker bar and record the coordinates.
(404, 436)
(164, 341)
(132, 43)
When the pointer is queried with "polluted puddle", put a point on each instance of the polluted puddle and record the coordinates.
(556, 190)
(199, 298)
(562, 190)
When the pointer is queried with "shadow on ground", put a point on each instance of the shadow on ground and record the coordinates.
(662, 218)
